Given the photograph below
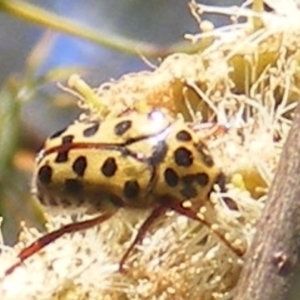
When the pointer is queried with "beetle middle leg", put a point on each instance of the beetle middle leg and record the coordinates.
(154, 215)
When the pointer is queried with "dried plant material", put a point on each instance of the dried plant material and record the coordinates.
(245, 80)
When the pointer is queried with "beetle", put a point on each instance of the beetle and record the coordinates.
(140, 161)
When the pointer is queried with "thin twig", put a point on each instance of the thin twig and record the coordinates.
(273, 255)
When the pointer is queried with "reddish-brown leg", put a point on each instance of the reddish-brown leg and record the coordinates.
(155, 214)
(210, 129)
(52, 236)
(188, 212)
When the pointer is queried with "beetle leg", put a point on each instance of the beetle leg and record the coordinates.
(155, 214)
(178, 207)
(48, 238)
(209, 129)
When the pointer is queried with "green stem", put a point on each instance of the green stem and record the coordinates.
(39, 16)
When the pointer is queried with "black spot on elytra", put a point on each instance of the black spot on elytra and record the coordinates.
(58, 133)
(183, 157)
(45, 174)
(62, 157)
(63, 153)
(188, 192)
(183, 136)
(79, 165)
(68, 139)
(109, 167)
(201, 179)
(92, 130)
(122, 127)
(171, 177)
(73, 186)
(131, 189)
